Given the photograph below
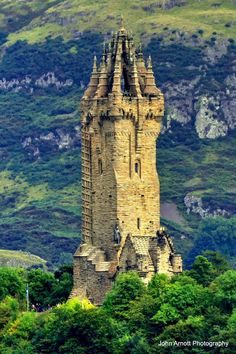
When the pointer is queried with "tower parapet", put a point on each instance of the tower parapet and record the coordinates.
(121, 114)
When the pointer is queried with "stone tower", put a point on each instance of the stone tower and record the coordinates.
(121, 117)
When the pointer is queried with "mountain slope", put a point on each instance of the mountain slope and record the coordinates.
(144, 17)
(47, 51)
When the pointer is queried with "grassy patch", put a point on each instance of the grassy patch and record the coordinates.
(20, 259)
(141, 17)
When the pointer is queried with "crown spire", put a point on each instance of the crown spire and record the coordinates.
(121, 22)
(122, 70)
(122, 29)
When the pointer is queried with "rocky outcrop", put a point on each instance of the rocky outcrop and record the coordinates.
(228, 100)
(16, 85)
(164, 4)
(179, 101)
(194, 204)
(29, 85)
(169, 4)
(57, 140)
(206, 123)
(214, 53)
(213, 114)
(50, 79)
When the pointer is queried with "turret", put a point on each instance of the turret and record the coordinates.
(150, 85)
(93, 83)
(103, 76)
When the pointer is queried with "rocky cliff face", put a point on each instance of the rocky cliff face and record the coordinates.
(195, 205)
(28, 84)
(59, 139)
(213, 115)
(209, 105)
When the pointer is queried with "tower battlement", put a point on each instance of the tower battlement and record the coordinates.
(121, 116)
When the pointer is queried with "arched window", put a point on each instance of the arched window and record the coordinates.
(138, 223)
(137, 168)
(100, 170)
(122, 84)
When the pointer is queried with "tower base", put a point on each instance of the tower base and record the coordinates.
(94, 275)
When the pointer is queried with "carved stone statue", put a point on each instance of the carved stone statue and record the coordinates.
(117, 235)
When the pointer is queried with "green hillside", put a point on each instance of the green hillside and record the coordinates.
(144, 17)
(20, 259)
(46, 58)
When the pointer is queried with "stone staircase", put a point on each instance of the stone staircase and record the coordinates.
(95, 256)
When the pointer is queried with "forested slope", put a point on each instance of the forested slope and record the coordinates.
(46, 58)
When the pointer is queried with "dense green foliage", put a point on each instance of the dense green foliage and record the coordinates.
(198, 305)
(45, 288)
(12, 283)
(63, 58)
(216, 234)
(173, 62)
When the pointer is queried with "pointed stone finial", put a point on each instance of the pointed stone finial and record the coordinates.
(93, 83)
(149, 62)
(116, 87)
(139, 51)
(122, 29)
(131, 58)
(104, 53)
(95, 64)
(150, 87)
(134, 80)
(121, 22)
(104, 48)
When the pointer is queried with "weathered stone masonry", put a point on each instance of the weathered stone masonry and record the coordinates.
(122, 111)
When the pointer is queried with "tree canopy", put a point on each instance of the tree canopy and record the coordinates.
(197, 305)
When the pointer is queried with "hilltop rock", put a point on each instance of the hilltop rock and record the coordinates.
(194, 204)
(60, 139)
(179, 100)
(207, 125)
(213, 114)
(50, 79)
(164, 4)
(215, 52)
(28, 84)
